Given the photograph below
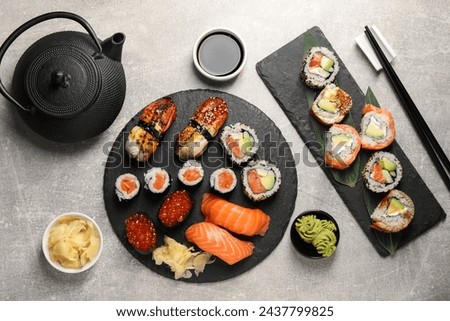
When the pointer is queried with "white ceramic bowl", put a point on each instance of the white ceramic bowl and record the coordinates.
(58, 266)
(227, 76)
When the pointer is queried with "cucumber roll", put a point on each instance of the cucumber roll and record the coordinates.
(320, 67)
(382, 172)
(260, 180)
(240, 142)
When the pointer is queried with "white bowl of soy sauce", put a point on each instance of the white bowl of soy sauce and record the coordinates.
(219, 54)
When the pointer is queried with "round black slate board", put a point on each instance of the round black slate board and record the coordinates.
(274, 148)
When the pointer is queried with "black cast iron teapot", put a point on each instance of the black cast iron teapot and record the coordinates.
(68, 86)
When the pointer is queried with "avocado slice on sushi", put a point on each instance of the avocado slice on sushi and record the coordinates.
(394, 213)
(260, 180)
(331, 105)
(240, 143)
(377, 128)
(319, 68)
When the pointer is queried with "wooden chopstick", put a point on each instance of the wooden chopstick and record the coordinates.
(432, 146)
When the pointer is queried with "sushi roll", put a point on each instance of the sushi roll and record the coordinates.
(382, 172)
(127, 186)
(377, 128)
(240, 142)
(260, 180)
(157, 180)
(191, 173)
(331, 105)
(393, 213)
(320, 67)
(223, 180)
(342, 146)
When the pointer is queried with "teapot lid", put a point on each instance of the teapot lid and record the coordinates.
(62, 81)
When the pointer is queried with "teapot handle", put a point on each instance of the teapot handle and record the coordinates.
(31, 23)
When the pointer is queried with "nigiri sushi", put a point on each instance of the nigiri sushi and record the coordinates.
(217, 241)
(233, 217)
(154, 120)
(377, 128)
(203, 126)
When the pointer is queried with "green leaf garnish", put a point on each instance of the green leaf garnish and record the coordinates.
(309, 42)
(370, 98)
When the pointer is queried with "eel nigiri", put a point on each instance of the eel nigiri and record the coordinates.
(154, 121)
(203, 126)
(233, 217)
(217, 241)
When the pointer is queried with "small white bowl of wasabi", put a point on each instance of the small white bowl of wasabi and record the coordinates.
(72, 242)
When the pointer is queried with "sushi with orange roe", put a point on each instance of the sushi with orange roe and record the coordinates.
(260, 180)
(127, 186)
(191, 174)
(157, 180)
(223, 180)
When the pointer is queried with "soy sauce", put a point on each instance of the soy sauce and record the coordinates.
(220, 54)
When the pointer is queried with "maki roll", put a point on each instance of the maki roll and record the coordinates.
(393, 213)
(382, 172)
(223, 180)
(331, 105)
(191, 173)
(342, 146)
(240, 142)
(377, 128)
(127, 186)
(260, 180)
(157, 180)
(320, 67)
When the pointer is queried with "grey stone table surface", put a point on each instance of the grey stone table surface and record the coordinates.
(40, 179)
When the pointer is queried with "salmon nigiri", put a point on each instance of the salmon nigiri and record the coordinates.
(217, 241)
(233, 217)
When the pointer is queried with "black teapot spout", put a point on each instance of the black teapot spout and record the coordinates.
(112, 47)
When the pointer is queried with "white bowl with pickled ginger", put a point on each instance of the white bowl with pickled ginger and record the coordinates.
(72, 242)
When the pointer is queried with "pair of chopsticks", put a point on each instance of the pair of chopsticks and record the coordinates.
(433, 148)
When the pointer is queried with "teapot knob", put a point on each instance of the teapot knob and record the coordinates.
(60, 78)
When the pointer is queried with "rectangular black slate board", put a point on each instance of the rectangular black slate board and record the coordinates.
(280, 73)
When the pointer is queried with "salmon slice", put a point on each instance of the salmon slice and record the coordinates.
(128, 185)
(233, 217)
(160, 180)
(255, 182)
(217, 241)
(234, 146)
